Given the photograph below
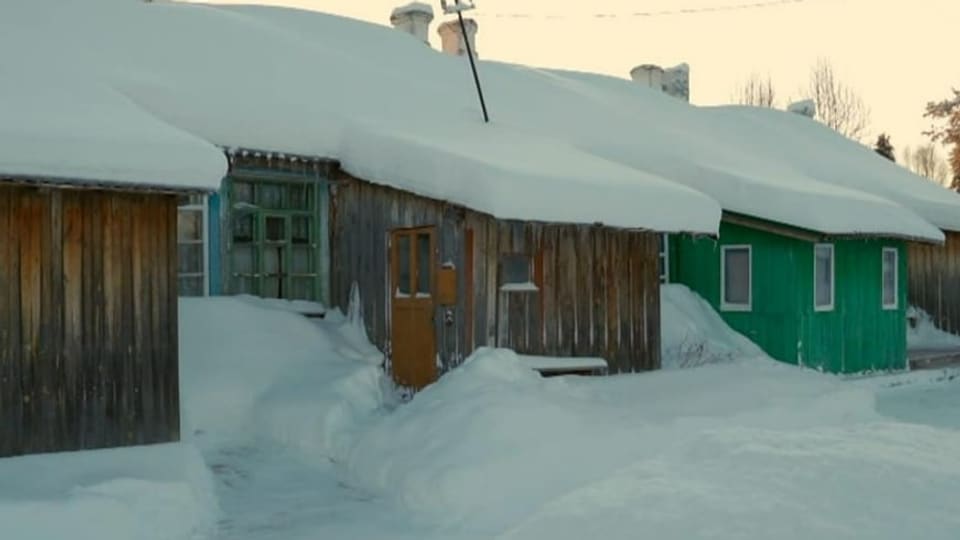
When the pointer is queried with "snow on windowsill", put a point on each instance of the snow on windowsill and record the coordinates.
(547, 364)
(519, 287)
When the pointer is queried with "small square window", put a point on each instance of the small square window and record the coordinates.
(736, 278)
(890, 278)
(823, 277)
(516, 273)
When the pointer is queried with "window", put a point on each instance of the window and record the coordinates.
(736, 279)
(405, 267)
(191, 245)
(823, 277)
(516, 273)
(274, 238)
(424, 266)
(890, 278)
(664, 258)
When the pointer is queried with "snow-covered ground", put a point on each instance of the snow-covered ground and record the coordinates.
(304, 439)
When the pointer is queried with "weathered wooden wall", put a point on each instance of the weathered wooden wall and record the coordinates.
(935, 281)
(88, 319)
(599, 291)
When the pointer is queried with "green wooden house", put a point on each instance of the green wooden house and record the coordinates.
(832, 303)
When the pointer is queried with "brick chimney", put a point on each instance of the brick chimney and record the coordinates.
(414, 19)
(452, 39)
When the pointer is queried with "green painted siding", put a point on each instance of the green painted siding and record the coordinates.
(857, 335)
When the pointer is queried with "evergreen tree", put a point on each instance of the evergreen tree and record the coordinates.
(884, 147)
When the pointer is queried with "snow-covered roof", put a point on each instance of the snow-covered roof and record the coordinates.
(86, 132)
(561, 147)
(389, 109)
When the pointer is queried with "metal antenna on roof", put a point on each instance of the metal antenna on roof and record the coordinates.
(459, 7)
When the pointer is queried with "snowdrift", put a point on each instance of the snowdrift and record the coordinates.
(747, 449)
(162, 492)
(692, 333)
(252, 368)
(926, 335)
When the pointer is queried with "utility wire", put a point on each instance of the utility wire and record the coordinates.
(641, 14)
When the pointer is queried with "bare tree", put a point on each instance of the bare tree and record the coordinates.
(947, 111)
(756, 91)
(926, 161)
(838, 106)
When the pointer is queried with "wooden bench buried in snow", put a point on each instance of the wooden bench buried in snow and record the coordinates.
(576, 365)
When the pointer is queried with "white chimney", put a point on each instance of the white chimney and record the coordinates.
(676, 82)
(452, 39)
(806, 108)
(414, 19)
(648, 75)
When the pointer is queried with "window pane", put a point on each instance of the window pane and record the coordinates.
(270, 196)
(889, 278)
(736, 283)
(300, 195)
(302, 260)
(243, 227)
(276, 229)
(243, 192)
(244, 285)
(273, 260)
(515, 268)
(271, 288)
(243, 259)
(190, 258)
(424, 266)
(190, 225)
(300, 230)
(823, 278)
(302, 288)
(403, 263)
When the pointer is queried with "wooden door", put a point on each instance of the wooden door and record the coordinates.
(412, 332)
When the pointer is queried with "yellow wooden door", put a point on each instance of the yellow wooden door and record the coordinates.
(413, 333)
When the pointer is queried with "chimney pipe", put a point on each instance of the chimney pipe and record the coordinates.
(414, 19)
(451, 37)
(648, 75)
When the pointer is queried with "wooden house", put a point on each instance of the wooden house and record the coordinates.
(88, 316)
(835, 303)
(436, 279)
(934, 280)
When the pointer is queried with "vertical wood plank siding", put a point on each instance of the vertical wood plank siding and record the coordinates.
(88, 320)
(599, 289)
(935, 281)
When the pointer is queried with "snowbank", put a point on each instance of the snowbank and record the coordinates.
(692, 333)
(251, 371)
(748, 449)
(162, 492)
(926, 335)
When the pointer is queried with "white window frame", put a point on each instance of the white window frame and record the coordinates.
(724, 305)
(896, 278)
(665, 256)
(203, 207)
(833, 278)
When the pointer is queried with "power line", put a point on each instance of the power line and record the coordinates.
(642, 14)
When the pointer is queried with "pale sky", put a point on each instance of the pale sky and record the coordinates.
(897, 54)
